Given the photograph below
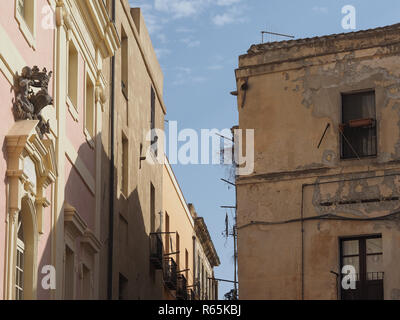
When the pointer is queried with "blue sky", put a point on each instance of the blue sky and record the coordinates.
(198, 43)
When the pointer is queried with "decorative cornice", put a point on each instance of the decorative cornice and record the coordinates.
(91, 241)
(104, 28)
(73, 221)
(206, 242)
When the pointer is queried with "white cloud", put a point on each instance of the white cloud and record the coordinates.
(320, 9)
(232, 15)
(162, 37)
(184, 70)
(184, 30)
(162, 52)
(189, 8)
(215, 67)
(184, 76)
(194, 44)
(180, 8)
(199, 79)
(190, 42)
(227, 2)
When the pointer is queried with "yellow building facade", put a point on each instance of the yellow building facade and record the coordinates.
(189, 255)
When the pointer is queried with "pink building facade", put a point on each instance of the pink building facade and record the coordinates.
(50, 187)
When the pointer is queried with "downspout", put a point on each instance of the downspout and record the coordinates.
(302, 242)
(194, 262)
(111, 183)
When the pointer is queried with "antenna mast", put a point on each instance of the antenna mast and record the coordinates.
(275, 34)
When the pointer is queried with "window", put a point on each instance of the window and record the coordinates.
(19, 267)
(123, 288)
(167, 234)
(23, 263)
(26, 9)
(187, 264)
(178, 248)
(73, 74)
(21, 7)
(124, 63)
(366, 256)
(86, 283)
(202, 281)
(25, 15)
(358, 128)
(90, 108)
(154, 137)
(69, 272)
(152, 208)
(125, 166)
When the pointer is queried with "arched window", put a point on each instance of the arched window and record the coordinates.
(19, 266)
(25, 266)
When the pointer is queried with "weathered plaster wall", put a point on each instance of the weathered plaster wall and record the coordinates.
(294, 91)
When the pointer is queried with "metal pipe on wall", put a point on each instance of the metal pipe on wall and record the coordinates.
(111, 182)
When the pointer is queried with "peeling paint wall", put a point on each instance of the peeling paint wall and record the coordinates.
(294, 91)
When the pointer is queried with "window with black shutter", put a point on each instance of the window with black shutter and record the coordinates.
(358, 127)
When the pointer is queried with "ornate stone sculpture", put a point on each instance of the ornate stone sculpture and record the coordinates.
(28, 103)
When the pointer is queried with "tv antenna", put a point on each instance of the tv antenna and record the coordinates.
(274, 34)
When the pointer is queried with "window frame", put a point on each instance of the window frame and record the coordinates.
(343, 141)
(154, 137)
(73, 102)
(124, 165)
(19, 267)
(27, 25)
(90, 136)
(124, 63)
(362, 279)
(68, 247)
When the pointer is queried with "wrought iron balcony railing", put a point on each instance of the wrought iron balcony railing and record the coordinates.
(181, 288)
(191, 295)
(170, 273)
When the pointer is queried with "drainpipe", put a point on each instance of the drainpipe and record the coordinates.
(111, 183)
(302, 242)
(194, 261)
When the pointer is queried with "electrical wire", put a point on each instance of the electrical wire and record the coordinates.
(348, 142)
(328, 216)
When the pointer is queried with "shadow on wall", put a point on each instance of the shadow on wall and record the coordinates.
(132, 273)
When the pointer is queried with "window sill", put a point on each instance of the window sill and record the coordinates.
(361, 158)
(89, 139)
(125, 94)
(72, 110)
(154, 156)
(122, 193)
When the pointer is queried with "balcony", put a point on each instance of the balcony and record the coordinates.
(170, 273)
(181, 288)
(156, 251)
